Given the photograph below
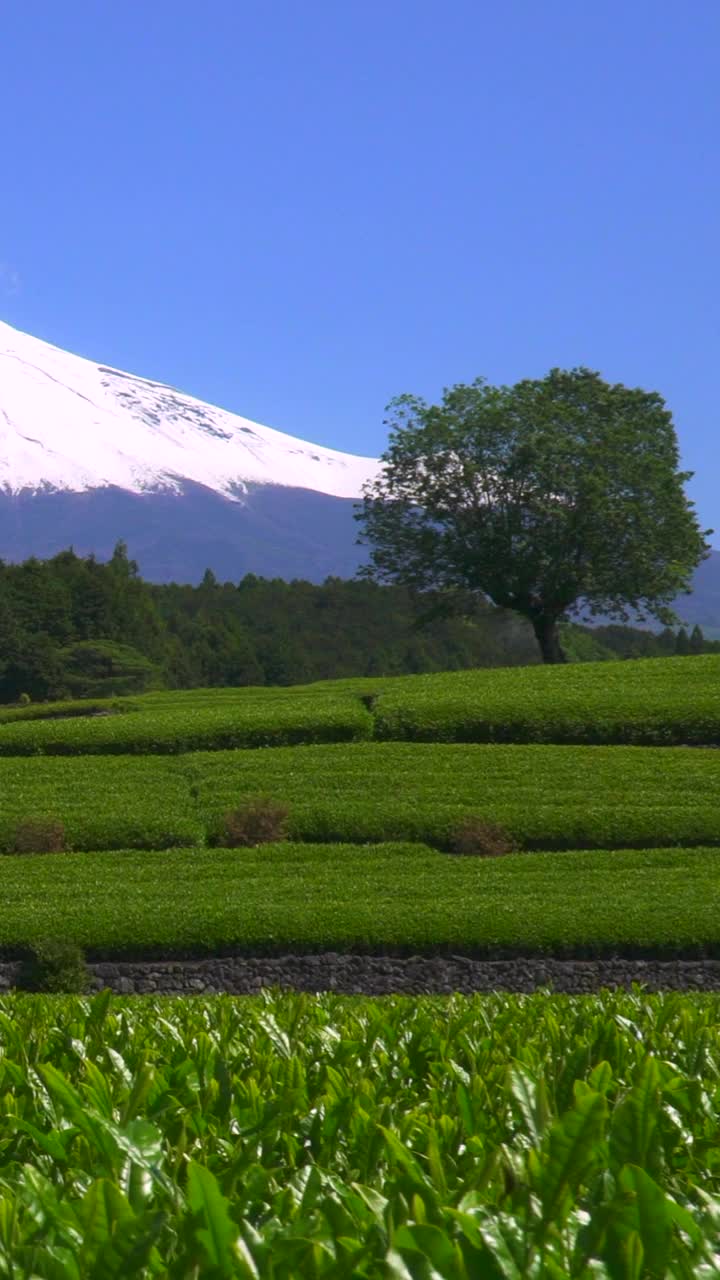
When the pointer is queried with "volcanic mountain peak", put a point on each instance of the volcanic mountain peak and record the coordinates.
(69, 424)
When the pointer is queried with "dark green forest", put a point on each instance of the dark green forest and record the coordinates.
(74, 627)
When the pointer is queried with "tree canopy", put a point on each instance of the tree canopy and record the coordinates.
(545, 497)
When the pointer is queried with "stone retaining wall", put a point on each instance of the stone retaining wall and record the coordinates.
(383, 975)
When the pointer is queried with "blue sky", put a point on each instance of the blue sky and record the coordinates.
(298, 209)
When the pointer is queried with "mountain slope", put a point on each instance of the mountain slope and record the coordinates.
(90, 454)
(275, 532)
(703, 606)
(70, 424)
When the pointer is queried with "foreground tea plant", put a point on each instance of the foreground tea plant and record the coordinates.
(285, 1137)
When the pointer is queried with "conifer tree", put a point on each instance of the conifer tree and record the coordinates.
(697, 640)
(682, 643)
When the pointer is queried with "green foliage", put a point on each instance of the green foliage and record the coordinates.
(56, 966)
(325, 1138)
(112, 803)
(537, 496)
(102, 668)
(319, 897)
(682, 643)
(46, 606)
(547, 797)
(72, 625)
(581, 644)
(643, 703)
(64, 708)
(647, 702)
(696, 641)
(168, 725)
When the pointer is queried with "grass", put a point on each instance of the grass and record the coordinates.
(388, 896)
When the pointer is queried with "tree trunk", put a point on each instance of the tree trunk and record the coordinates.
(548, 638)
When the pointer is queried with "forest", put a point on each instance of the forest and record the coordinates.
(72, 626)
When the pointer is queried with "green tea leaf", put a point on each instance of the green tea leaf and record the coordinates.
(218, 1232)
(572, 1152)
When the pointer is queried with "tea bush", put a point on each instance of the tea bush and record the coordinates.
(102, 803)
(288, 1136)
(546, 797)
(57, 966)
(214, 724)
(660, 702)
(319, 897)
(650, 702)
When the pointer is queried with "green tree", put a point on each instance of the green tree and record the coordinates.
(696, 644)
(545, 497)
(103, 668)
(666, 642)
(682, 643)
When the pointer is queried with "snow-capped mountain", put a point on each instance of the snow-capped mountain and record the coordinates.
(71, 424)
(90, 454)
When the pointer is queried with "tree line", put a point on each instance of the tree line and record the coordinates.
(71, 626)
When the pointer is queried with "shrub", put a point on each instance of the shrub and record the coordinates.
(260, 820)
(57, 967)
(24, 700)
(39, 835)
(479, 838)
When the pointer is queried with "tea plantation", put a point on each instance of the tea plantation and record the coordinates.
(288, 1136)
(376, 778)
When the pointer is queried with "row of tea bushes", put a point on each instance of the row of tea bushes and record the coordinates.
(289, 897)
(155, 728)
(652, 702)
(661, 702)
(547, 797)
(24, 713)
(111, 802)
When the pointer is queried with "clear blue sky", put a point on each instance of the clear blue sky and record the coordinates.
(297, 209)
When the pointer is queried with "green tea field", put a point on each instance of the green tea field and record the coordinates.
(288, 1135)
(605, 779)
